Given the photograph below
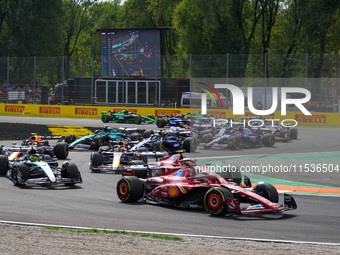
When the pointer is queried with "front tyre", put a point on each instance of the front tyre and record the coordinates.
(268, 140)
(189, 144)
(267, 191)
(3, 165)
(129, 189)
(20, 173)
(216, 201)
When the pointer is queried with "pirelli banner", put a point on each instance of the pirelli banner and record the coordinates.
(317, 118)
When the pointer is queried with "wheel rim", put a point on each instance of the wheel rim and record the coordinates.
(237, 143)
(123, 189)
(214, 201)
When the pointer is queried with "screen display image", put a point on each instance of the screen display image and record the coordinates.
(130, 52)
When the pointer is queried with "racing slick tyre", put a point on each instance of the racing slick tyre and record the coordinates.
(268, 140)
(232, 173)
(293, 133)
(207, 138)
(135, 137)
(189, 144)
(96, 159)
(70, 138)
(46, 157)
(268, 191)
(148, 133)
(129, 189)
(105, 118)
(216, 201)
(3, 165)
(96, 143)
(20, 173)
(160, 123)
(158, 146)
(234, 142)
(70, 170)
(137, 120)
(61, 150)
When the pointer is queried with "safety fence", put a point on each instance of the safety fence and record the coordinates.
(74, 111)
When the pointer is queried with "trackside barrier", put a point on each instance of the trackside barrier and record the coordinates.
(317, 118)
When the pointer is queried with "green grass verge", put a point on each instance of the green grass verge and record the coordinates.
(93, 230)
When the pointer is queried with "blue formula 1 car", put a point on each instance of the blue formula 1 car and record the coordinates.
(178, 121)
(235, 139)
(169, 142)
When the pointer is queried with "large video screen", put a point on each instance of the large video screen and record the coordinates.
(130, 52)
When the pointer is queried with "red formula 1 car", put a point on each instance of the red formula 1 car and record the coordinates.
(164, 166)
(190, 188)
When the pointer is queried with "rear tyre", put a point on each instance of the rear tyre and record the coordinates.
(189, 144)
(137, 120)
(216, 201)
(160, 123)
(232, 173)
(135, 136)
(46, 157)
(158, 146)
(129, 189)
(148, 133)
(96, 143)
(207, 138)
(105, 118)
(268, 191)
(234, 142)
(61, 150)
(70, 138)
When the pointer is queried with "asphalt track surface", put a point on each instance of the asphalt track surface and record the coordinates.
(95, 203)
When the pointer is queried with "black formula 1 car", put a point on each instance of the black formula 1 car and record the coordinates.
(190, 188)
(38, 169)
(37, 144)
(235, 139)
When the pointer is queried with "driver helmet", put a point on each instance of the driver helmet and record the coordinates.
(34, 158)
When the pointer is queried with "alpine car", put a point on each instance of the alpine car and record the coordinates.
(38, 169)
(190, 188)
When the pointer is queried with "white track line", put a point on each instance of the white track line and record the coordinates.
(171, 234)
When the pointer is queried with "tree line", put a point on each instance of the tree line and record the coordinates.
(286, 28)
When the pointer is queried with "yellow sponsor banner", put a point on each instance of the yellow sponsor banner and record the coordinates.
(317, 118)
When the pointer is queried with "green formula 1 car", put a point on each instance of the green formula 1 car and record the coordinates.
(126, 117)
